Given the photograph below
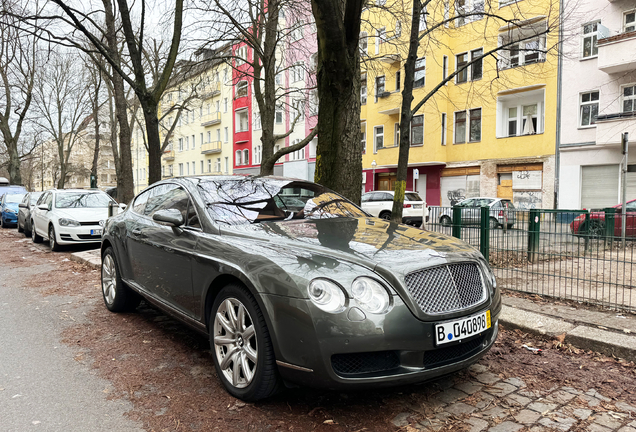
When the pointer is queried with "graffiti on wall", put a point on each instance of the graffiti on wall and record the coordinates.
(527, 199)
(526, 180)
(455, 196)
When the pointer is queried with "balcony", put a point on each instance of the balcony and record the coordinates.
(211, 119)
(617, 54)
(212, 147)
(609, 127)
(168, 155)
(211, 90)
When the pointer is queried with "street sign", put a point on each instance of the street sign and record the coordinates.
(416, 173)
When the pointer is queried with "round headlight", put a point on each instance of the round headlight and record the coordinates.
(371, 295)
(327, 295)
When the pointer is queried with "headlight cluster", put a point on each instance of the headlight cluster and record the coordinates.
(68, 222)
(10, 211)
(369, 294)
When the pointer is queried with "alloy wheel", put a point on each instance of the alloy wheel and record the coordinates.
(109, 279)
(235, 343)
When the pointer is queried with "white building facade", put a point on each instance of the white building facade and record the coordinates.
(598, 104)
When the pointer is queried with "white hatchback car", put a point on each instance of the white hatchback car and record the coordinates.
(70, 216)
(380, 204)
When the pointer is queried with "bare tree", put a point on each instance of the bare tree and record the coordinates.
(62, 102)
(18, 58)
(339, 152)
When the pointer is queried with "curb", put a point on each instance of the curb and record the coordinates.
(89, 258)
(582, 336)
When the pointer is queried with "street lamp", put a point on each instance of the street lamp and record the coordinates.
(373, 165)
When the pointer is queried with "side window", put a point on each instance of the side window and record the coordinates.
(192, 219)
(49, 200)
(366, 197)
(140, 202)
(42, 198)
(387, 197)
(630, 206)
(467, 203)
(173, 197)
(25, 200)
(156, 197)
(374, 197)
(497, 205)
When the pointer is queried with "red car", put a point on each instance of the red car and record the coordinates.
(597, 222)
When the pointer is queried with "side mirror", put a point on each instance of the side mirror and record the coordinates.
(43, 207)
(169, 217)
(122, 206)
(22, 205)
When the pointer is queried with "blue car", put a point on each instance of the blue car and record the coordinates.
(9, 208)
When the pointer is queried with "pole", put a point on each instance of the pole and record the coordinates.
(624, 145)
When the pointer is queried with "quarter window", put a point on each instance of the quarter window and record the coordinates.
(588, 110)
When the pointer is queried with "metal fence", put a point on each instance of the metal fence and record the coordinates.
(569, 254)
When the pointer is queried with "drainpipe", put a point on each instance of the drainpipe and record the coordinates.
(557, 143)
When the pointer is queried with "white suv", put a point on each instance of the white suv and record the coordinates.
(70, 216)
(380, 204)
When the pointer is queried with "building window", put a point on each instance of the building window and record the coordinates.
(226, 134)
(475, 125)
(217, 165)
(225, 105)
(202, 167)
(279, 114)
(396, 135)
(298, 72)
(246, 157)
(379, 86)
(297, 31)
(187, 143)
(242, 121)
(443, 129)
(590, 37)
(237, 157)
(227, 164)
(299, 109)
(378, 132)
(241, 55)
(423, 16)
(194, 145)
(398, 79)
(209, 137)
(194, 166)
(462, 68)
(363, 90)
(629, 98)
(476, 66)
(527, 50)
(364, 44)
(380, 38)
(467, 11)
(180, 169)
(629, 21)
(520, 114)
(588, 110)
(201, 138)
(241, 89)
(460, 127)
(444, 67)
(363, 127)
(420, 72)
(417, 130)
(218, 134)
(512, 121)
(209, 165)
(180, 147)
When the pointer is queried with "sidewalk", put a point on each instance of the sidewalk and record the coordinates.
(610, 333)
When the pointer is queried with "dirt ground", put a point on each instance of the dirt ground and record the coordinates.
(165, 370)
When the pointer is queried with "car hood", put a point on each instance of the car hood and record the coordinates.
(380, 245)
(12, 206)
(83, 214)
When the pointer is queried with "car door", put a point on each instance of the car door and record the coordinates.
(630, 215)
(162, 254)
(467, 210)
(372, 205)
(39, 215)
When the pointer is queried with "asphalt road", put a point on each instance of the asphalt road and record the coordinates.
(43, 387)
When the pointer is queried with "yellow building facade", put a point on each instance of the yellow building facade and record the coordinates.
(488, 131)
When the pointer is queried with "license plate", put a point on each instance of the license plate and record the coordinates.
(462, 328)
(417, 206)
(96, 232)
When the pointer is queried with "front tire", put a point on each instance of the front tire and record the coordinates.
(20, 229)
(241, 346)
(445, 221)
(386, 215)
(55, 246)
(117, 296)
(34, 236)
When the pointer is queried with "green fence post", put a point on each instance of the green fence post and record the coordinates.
(586, 232)
(484, 232)
(534, 227)
(610, 223)
(457, 222)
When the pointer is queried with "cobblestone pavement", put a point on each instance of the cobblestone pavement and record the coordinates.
(487, 403)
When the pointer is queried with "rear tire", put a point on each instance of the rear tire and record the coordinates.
(34, 235)
(493, 223)
(241, 346)
(386, 215)
(117, 296)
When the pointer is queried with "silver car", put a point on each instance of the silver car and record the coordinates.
(501, 212)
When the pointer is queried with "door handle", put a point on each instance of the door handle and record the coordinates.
(136, 231)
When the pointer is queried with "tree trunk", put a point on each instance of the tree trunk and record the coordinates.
(125, 188)
(96, 151)
(339, 151)
(154, 141)
(406, 116)
(15, 177)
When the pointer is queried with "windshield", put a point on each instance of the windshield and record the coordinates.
(14, 198)
(34, 197)
(81, 200)
(253, 200)
(412, 196)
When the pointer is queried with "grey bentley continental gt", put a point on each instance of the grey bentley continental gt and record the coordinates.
(295, 284)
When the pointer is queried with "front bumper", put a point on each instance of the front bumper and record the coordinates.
(81, 234)
(9, 218)
(316, 349)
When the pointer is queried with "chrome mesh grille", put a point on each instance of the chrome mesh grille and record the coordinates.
(446, 288)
